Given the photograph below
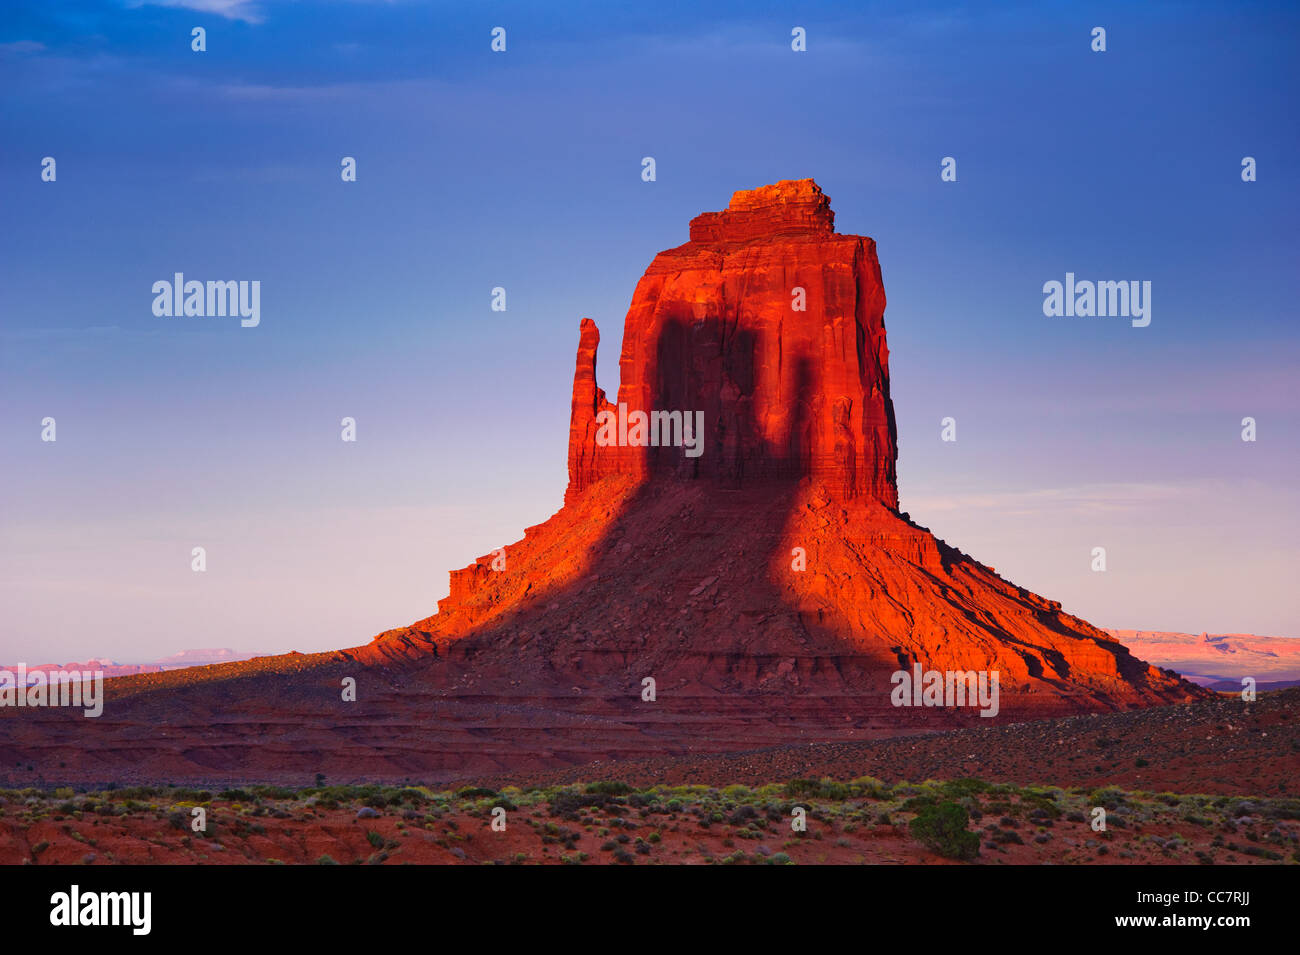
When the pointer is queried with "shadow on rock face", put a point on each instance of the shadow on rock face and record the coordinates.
(767, 586)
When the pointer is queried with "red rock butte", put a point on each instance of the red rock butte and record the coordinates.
(768, 584)
(772, 325)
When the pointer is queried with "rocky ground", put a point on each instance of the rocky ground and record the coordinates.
(1223, 746)
(1202, 783)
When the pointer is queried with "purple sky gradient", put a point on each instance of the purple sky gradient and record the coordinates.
(523, 170)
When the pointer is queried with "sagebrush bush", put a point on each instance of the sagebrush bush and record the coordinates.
(942, 827)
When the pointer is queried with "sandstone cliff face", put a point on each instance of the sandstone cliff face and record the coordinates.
(684, 567)
(772, 326)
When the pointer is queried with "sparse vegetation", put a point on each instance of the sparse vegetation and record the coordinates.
(943, 828)
(613, 821)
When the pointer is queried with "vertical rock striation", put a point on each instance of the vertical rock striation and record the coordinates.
(770, 324)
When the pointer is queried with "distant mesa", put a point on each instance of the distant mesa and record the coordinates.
(1219, 659)
(186, 658)
(111, 668)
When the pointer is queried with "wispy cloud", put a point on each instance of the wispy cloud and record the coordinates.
(21, 48)
(245, 10)
(319, 93)
(1112, 498)
(46, 334)
(267, 92)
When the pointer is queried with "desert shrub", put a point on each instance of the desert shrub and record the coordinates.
(567, 803)
(967, 786)
(1110, 797)
(1004, 837)
(1284, 809)
(273, 792)
(871, 787)
(817, 789)
(742, 815)
(609, 787)
(139, 792)
(1040, 807)
(917, 803)
(190, 795)
(942, 828)
(1258, 852)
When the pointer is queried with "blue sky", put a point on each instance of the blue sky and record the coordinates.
(522, 169)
